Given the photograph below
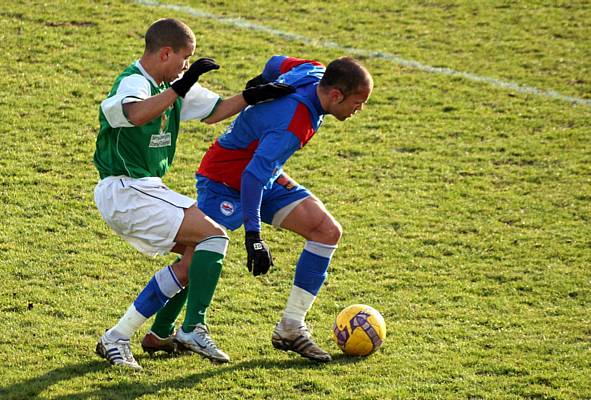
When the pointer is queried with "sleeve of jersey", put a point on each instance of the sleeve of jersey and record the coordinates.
(251, 195)
(131, 88)
(278, 65)
(271, 153)
(272, 69)
(199, 103)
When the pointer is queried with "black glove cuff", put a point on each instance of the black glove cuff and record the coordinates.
(252, 235)
(251, 95)
(180, 88)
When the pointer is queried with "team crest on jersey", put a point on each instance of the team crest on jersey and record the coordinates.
(227, 208)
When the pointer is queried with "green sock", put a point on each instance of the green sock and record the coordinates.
(204, 273)
(163, 325)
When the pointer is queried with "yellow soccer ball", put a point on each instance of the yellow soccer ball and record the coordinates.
(359, 330)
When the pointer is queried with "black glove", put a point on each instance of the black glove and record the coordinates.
(259, 258)
(267, 91)
(257, 80)
(183, 85)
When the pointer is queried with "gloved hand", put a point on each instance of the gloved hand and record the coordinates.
(267, 91)
(259, 258)
(183, 85)
(257, 80)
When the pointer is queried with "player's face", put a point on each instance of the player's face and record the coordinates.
(178, 62)
(344, 107)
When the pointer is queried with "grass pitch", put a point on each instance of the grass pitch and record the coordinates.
(466, 205)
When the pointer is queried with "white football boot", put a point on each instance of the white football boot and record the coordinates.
(117, 352)
(294, 335)
(199, 341)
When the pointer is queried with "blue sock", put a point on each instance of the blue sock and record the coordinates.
(311, 272)
(161, 287)
(312, 267)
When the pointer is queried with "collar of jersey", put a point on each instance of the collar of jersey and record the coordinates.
(145, 73)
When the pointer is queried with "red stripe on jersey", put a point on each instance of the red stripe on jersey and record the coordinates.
(301, 124)
(226, 165)
(291, 62)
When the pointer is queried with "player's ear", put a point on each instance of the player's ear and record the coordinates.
(164, 53)
(336, 95)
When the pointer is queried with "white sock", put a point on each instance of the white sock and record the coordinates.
(298, 304)
(167, 281)
(127, 325)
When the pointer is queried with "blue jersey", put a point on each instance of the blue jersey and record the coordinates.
(250, 155)
(263, 137)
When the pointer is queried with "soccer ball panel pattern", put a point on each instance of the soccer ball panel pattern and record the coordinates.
(359, 330)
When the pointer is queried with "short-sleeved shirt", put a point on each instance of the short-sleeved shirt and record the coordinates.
(147, 150)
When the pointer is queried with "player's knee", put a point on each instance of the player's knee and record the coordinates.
(212, 230)
(181, 270)
(331, 231)
(197, 227)
(215, 243)
(217, 230)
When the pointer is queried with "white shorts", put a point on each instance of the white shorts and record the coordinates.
(144, 212)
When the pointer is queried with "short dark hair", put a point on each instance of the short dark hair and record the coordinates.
(168, 32)
(346, 74)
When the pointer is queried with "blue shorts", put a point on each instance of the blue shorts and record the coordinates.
(222, 203)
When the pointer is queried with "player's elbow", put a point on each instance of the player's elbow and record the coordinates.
(210, 120)
(134, 114)
(136, 121)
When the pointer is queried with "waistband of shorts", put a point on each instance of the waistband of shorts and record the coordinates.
(128, 179)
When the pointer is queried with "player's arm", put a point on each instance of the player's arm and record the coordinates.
(141, 112)
(225, 109)
(133, 104)
(253, 93)
(272, 152)
(259, 258)
(276, 66)
(133, 89)
(251, 196)
(249, 96)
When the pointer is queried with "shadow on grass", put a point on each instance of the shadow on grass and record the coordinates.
(33, 387)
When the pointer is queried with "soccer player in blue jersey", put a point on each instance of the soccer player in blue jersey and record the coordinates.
(241, 181)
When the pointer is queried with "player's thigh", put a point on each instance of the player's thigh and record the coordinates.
(313, 221)
(197, 226)
(145, 213)
(279, 200)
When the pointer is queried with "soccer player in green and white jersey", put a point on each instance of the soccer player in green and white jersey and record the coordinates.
(139, 125)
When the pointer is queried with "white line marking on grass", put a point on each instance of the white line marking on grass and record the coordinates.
(241, 23)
